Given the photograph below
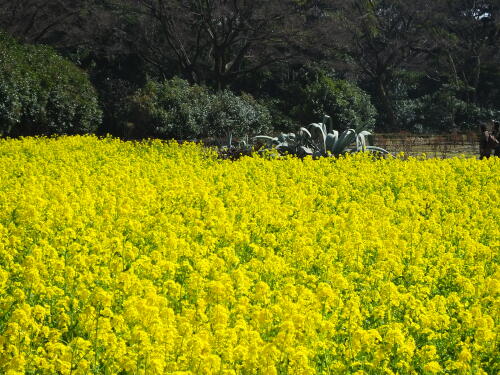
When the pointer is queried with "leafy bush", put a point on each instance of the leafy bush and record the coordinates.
(172, 109)
(238, 116)
(176, 109)
(41, 93)
(279, 109)
(444, 110)
(348, 105)
(405, 88)
(426, 106)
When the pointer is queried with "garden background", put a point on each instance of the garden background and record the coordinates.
(193, 69)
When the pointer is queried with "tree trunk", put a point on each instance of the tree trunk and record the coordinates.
(475, 78)
(386, 104)
(219, 68)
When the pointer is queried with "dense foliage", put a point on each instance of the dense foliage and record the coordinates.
(156, 258)
(439, 110)
(347, 105)
(42, 93)
(427, 65)
(176, 109)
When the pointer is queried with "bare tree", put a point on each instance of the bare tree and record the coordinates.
(210, 40)
(55, 22)
(466, 33)
(378, 37)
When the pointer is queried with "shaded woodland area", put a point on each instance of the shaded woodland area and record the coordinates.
(419, 66)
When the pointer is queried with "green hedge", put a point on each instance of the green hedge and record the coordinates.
(347, 104)
(176, 109)
(41, 93)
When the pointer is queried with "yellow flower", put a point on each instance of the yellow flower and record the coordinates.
(432, 367)
(155, 257)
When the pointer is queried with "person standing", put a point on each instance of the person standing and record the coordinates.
(496, 134)
(487, 143)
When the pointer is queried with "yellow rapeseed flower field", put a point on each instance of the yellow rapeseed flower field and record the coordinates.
(154, 258)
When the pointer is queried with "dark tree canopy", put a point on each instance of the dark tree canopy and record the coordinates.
(209, 41)
(421, 62)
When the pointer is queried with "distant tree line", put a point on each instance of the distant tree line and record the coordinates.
(191, 68)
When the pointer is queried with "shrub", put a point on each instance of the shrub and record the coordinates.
(176, 109)
(232, 115)
(427, 106)
(444, 111)
(348, 105)
(279, 109)
(41, 93)
(171, 109)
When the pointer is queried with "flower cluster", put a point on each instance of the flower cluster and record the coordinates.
(158, 258)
